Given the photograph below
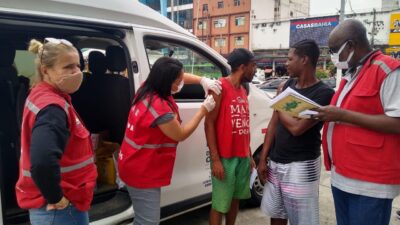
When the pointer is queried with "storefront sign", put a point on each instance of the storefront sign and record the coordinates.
(394, 35)
(314, 28)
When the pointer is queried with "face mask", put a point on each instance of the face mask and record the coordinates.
(180, 86)
(69, 83)
(341, 64)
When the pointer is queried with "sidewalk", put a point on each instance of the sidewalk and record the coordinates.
(254, 216)
(327, 210)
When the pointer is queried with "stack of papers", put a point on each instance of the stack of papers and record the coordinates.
(295, 104)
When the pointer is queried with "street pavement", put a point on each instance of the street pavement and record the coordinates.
(254, 216)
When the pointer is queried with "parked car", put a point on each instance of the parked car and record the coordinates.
(271, 84)
(331, 82)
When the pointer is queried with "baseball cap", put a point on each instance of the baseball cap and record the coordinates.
(239, 56)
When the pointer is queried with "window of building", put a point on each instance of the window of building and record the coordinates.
(202, 25)
(239, 21)
(291, 14)
(239, 41)
(219, 23)
(152, 4)
(220, 5)
(205, 7)
(236, 2)
(220, 42)
(181, 2)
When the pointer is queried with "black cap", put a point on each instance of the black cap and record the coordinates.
(239, 56)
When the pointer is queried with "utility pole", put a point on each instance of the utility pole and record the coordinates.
(177, 12)
(341, 18)
(342, 7)
(172, 10)
(196, 25)
(373, 28)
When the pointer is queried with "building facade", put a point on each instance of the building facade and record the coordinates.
(277, 10)
(181, 12)
(390, 5)
(222, 24)
(271, 40)
(158, 5)
(226, 24)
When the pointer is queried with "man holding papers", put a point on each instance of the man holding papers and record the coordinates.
(362, 138)
(292, 145)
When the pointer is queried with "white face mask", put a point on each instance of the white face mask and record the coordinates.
(341, 64)
(180, 86)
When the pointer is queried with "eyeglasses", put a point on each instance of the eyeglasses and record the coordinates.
(53, 41)
(333, 50)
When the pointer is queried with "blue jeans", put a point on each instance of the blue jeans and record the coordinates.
(68, 216)
(146, 204)
(354, 209)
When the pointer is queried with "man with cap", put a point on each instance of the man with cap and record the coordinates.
(227, 130)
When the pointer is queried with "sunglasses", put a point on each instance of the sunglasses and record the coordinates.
(57, 41)
(54, 41)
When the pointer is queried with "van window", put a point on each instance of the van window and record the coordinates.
(25, 63)
(193, 61)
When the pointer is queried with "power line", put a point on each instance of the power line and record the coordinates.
(351, 8)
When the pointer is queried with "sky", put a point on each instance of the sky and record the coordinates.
(324, 7)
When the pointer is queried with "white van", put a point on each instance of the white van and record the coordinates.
(132, 36)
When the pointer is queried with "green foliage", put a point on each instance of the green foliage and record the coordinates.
(331, 68)
(205, 70)
(321, 74)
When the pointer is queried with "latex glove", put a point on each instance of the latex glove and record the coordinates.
(209, 103)
(211, 85)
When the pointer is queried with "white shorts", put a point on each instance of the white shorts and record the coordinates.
(291, 191)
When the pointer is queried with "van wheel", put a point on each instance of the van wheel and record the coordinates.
(257, 188)
(256, 192)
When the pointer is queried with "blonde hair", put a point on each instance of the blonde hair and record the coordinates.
(47, 55)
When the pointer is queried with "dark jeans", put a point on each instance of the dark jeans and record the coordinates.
(354, 209)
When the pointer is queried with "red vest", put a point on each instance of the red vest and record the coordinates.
(78, 171)
(233, 122)
(361, 153)
(147, 155)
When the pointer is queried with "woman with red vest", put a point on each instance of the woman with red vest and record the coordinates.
(57, 172)
(152, 134)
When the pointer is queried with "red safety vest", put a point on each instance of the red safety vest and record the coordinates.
(357, 152)
(147, 155)
(233, 122)
(78, 171)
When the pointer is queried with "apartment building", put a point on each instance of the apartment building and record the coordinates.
(222, 24)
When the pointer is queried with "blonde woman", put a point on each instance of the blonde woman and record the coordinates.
(57, 171)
